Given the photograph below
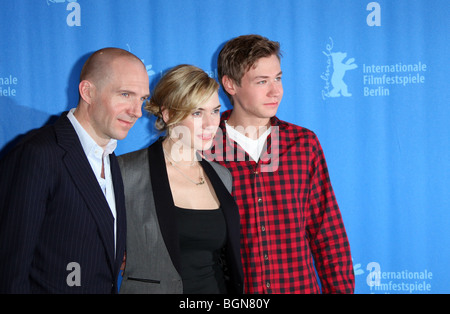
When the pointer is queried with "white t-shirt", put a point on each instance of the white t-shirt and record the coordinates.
(251, 146)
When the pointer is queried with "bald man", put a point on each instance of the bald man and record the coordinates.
(62, 210)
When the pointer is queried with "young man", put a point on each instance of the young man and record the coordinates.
(290, 220)
(62, 208)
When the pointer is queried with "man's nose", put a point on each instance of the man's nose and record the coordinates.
(136, 109)
(275, 89)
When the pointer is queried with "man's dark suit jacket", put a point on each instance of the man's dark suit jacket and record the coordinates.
(53, 213)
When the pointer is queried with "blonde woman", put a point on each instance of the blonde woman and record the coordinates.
(182, 222)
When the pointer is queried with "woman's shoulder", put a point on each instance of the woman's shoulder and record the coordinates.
(133, 157)
(221, 170)
(223, 173)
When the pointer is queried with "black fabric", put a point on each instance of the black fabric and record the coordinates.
(202, 236)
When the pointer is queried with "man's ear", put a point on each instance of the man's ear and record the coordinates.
(86, 90)
(229, 85)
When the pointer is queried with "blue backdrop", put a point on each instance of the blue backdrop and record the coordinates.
(370, 78)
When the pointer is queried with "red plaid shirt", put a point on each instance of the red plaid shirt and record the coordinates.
(290, 220)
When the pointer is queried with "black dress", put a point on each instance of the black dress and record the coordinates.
(202, 236)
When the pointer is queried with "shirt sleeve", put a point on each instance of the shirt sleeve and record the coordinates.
(326, 231)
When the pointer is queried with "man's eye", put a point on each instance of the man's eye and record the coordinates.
(125, 95)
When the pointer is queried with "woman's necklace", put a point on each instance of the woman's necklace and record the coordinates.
(173, 163)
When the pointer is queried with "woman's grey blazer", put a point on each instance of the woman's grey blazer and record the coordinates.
(153, 253)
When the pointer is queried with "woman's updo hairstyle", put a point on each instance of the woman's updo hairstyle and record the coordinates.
(180, 91)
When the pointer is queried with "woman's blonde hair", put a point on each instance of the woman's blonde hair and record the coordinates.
(181, 90)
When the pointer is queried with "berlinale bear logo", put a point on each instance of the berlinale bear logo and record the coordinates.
(339, 69)
(335, 71)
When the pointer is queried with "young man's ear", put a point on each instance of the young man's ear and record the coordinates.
(229, 85)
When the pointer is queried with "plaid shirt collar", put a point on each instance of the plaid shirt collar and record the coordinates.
(274, 121)
(230, 150)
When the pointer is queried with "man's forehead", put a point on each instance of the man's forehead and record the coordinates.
(264, 69)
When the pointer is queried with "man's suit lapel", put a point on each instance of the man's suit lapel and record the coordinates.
(120, 208)
(84, 179)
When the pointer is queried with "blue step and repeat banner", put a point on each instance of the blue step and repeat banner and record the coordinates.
(370, 78)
